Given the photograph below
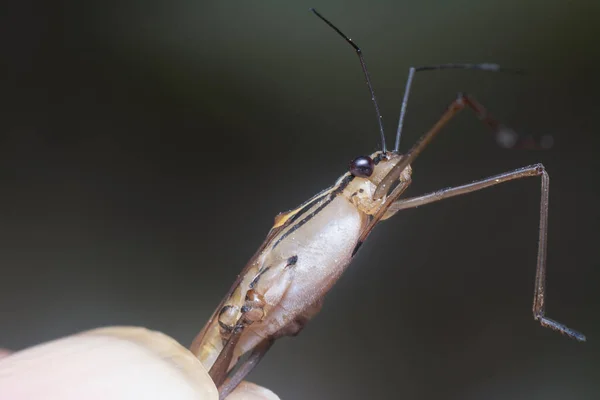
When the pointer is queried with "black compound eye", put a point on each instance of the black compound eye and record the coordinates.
(362, 166)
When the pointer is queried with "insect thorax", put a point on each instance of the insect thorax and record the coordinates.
(360, 190)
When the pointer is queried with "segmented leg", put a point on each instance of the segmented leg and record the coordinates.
(244, 369)
(505, 137)
(540, 274)
(246, 366)
(502, 133)
(218, 371)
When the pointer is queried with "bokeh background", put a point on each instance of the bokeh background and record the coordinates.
(146, 146)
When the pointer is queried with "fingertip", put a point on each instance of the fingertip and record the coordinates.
(4, 353)
(251, 391)
(115, 363)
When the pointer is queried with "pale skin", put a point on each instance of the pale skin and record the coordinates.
(112, 363)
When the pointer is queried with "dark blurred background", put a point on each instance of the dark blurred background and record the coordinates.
(146, 146)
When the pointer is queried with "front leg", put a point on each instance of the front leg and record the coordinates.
(539, 310)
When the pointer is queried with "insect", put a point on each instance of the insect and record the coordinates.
(308, 248)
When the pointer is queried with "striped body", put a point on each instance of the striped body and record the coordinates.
(304, 254)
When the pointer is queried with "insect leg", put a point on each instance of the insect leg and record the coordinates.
(292, 329)
(218, 371)
(540, 274)
(238, 376)
(252, 311)
(463, 100)
(506, 140)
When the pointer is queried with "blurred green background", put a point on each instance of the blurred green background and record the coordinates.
(146, 146)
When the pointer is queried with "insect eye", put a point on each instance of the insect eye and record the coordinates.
(362, 166)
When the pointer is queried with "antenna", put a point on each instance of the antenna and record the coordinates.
(411, 74)
(364, 68)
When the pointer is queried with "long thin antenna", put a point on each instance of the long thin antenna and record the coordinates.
(364, 68)
(411, 75)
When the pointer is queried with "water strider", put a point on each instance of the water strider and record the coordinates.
(309, 247)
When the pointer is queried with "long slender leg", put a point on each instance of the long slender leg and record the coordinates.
(540, 274)
(412, 202)
(218, 372)
(463, 100)
(291, 329)
(246, 366)
(505, 140)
